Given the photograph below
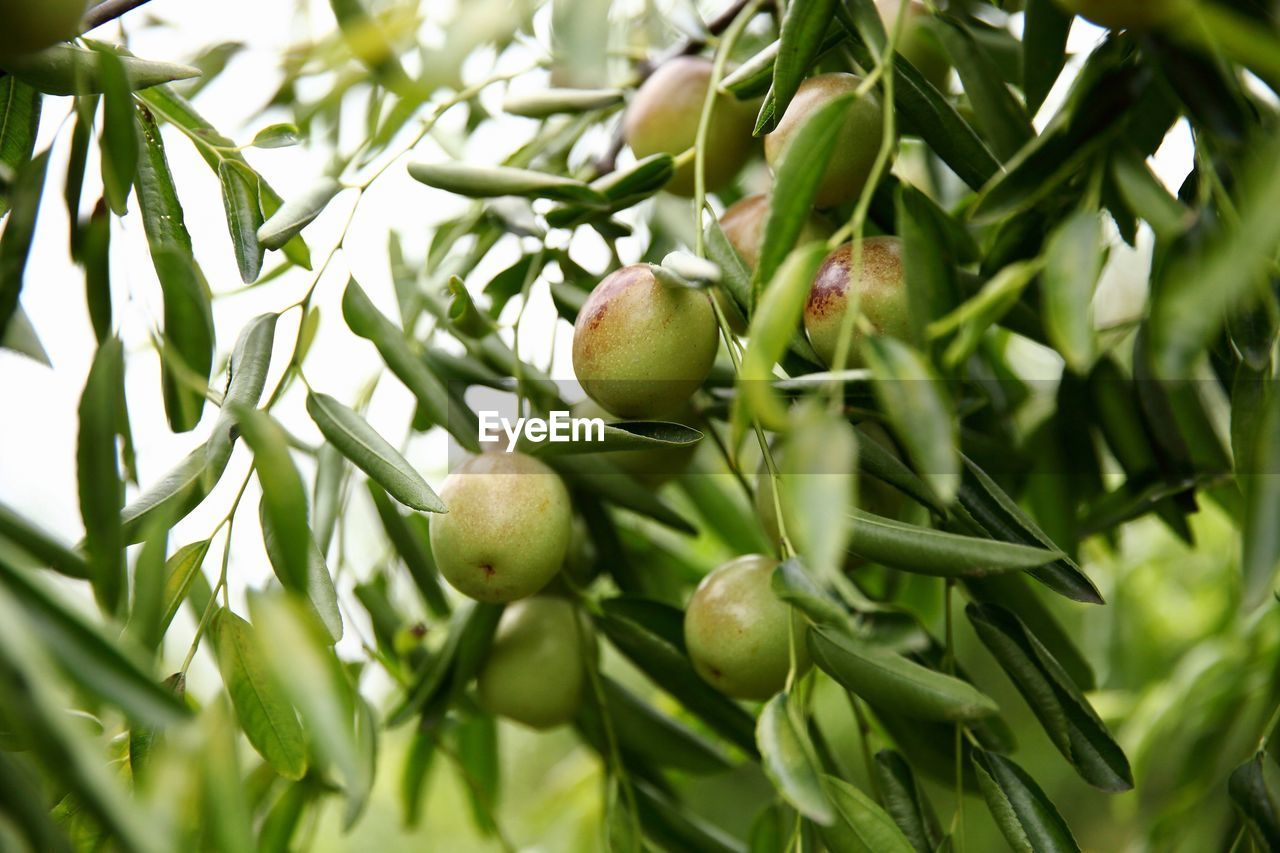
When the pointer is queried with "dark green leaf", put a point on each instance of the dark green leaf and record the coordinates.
(1027, 819)
(906, 802)
(244, 216)
(65, 69)
(284, 500)
(19, 123)
(803, 29)
(98, 474)
(1256, 804)
(926, 551)
(413, 550)
(1044, 49)
(998, 113)
(119, 132)
(495, 181)
(789, 761)
(19, 231)
(319, 590)
(41, 545)
(861, 825)
(180, 573)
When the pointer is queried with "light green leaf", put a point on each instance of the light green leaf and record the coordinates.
(283, 498)
(288, 220)
(861, 825)
(98, 475)
(495, 181)
(549, 102)
(180, 573)
(277, 136)
(65, 69)
(789, 761)
(119, 133)
(244, 216)
(1073, 262)
(319, 589)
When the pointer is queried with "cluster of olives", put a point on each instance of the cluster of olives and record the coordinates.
(30, 27)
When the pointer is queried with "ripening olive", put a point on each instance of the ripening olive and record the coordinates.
(739, 634)
(641, 348)
(920, 45)
(535, 670)
(881, 298)
(1121, 14)
(27, 27)
(507, 529)
(855, 149)
(873, 495)
(664, 116)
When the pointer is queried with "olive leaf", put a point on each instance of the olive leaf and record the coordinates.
(789, 761)
(1027, 819)
(861, 824)
(1067, 717)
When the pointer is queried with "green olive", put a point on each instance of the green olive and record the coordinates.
(641, 348)
(739, 635)
(27, 26)
(1122, 14)
(881, 298)
(873, 495)
(652, 467)
(743, 225)
(507, 529)
(858, 143)
(920, 45)
(663, 118)
(536, 666)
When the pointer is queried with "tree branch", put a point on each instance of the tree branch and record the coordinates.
(107, 10)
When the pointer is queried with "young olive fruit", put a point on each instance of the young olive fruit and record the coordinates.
(873, 495)
(27, 26)
(653, 466)
(535, 670)
(881, 297)
(920, 45)
(855, 149)
(507, 529)
(641, 348)
(739, 634)
(664, 116)
(1122, 14)
(743, 226)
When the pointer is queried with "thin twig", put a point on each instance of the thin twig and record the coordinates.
(107, 10)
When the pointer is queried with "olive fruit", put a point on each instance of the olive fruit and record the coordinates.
(535, 670)
(743, 226)
(29, 26)
(507, 529)
(1120, 14)
(858, 143)
(664, 116)
(739, 634)
(641, 348)
(873, 495)
(651, 466)
(881, 297)
(919, 45)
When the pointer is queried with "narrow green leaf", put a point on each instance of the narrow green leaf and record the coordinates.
(104, 666)
(789, 762)
(607, 437)
(1073, 263)
(1261, 535)
(319, 590)
(149, 587)
(861, 825)
(180, 573)
(284, 500)
(188, 317)
(797, 176)
(495, 181)
(1067, 717)
(1253, 799)
(997, 111)
(21, 337)
(19, 122)
(265, 713)
(671, 826)
(803, 29)
(19, 231)
(971, 320)
(644, 730)
(371, 453)
(919, 409)
(549, 102)
(1146, 196)
(892, 682)
(288, 220)
(366, 321)
(65, 69)
(906, 802)
(773, 325)
(98, 475)
(42, 546)
(94, 254)
(818, 484)
(228, 814)
(173, 496)
(277, 136)
(298, 656)
(119, 132)
(927, 551)
(244, 216)
(1029, 822)
(413, 551)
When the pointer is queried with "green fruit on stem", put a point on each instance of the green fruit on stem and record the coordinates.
(507, 529)
(881, 291)
(1122, 14)
(743, 226)
(654, 466)
(739, 635)
(855, 149)
(873, 495)
(641, 348)
(27, 27)
(663, 119)
(535, 670)
(920, 45)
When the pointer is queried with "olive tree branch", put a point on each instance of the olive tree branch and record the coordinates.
(106, 11)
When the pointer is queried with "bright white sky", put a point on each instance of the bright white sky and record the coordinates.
(38, 425)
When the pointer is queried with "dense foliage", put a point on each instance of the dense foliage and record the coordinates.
(901, 536)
